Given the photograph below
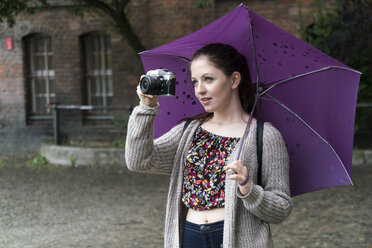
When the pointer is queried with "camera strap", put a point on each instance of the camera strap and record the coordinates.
(187, 123)
(259, 136)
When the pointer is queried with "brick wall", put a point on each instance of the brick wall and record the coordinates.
(156, 22)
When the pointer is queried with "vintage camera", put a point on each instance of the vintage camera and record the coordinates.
(161, 83)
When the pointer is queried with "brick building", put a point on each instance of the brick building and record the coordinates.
(61, 57)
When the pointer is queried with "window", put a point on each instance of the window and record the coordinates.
(39, 76)
(98, 78)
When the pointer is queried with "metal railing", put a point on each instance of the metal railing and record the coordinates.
(364, 105)
(56, 115)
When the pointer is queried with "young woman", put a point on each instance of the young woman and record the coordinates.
(204, 207)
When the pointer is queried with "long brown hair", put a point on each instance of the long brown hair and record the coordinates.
(228, 60)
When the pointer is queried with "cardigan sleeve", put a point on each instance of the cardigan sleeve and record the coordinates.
(271, 202)
(142, 152)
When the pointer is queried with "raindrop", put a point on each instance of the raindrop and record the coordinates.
(184, 93)
(183, 70)
(298, 145)
(260, 55)
(285, 52)
(185, 81)
(257, 37)
(287, 119)
(177, 82)
(188, 96)
(183, 102)
(177, 97)
(280, 64)
(264, 59)
(307, 67)
(293, 55)
(263, 50)
(168, 113)
(285, 46)
(193, 103)
(274, 43)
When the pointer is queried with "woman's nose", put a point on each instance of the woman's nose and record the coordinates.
(199, 88)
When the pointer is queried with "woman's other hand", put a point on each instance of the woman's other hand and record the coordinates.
(149, 100)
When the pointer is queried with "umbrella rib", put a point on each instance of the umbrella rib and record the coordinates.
(163, 54)
(272, 85)
(317, 134)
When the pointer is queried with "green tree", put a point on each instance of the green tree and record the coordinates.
(9, 9)
(345, 33)
(116, 11)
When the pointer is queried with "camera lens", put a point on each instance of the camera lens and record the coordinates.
(145, 84)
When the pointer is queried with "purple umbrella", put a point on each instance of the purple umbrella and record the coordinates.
(309, 96)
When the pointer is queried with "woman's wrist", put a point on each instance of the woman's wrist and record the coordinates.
(149, 105)
(246, 188)
(245, 181)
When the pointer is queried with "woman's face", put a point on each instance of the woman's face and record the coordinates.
(212, 87)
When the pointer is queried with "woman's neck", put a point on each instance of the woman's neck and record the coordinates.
(228, 118)
(233, 113)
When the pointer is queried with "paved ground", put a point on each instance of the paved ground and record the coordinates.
(110, 207)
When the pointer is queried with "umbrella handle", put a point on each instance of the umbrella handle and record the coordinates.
(246, 131)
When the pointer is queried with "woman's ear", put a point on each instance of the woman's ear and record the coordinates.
(235, 79)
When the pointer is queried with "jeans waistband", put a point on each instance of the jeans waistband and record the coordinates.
(205, 227)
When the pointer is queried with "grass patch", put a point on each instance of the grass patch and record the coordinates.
(38, 161)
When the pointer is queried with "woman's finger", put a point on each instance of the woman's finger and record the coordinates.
(236, 166)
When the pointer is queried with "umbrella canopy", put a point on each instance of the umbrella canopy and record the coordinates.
(309, 96)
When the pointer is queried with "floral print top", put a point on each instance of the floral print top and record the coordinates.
(204, 177)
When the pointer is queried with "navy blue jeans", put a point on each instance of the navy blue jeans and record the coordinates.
(203, 236)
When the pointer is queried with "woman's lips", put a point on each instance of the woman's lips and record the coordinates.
(205, 100)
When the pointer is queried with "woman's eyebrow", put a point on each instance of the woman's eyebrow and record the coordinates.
(204, 75)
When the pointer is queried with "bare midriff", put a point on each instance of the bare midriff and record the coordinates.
(205, 216)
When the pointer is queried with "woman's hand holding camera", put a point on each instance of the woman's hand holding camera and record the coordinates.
(149, 100)
(240, 174)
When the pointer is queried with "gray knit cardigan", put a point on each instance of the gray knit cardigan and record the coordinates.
(247, 218)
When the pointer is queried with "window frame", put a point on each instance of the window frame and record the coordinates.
(98, 76)
(36, 76)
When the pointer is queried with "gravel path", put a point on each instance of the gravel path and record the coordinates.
(111, 207)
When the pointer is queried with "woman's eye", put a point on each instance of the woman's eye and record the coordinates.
(194, 82)
(208, 79)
